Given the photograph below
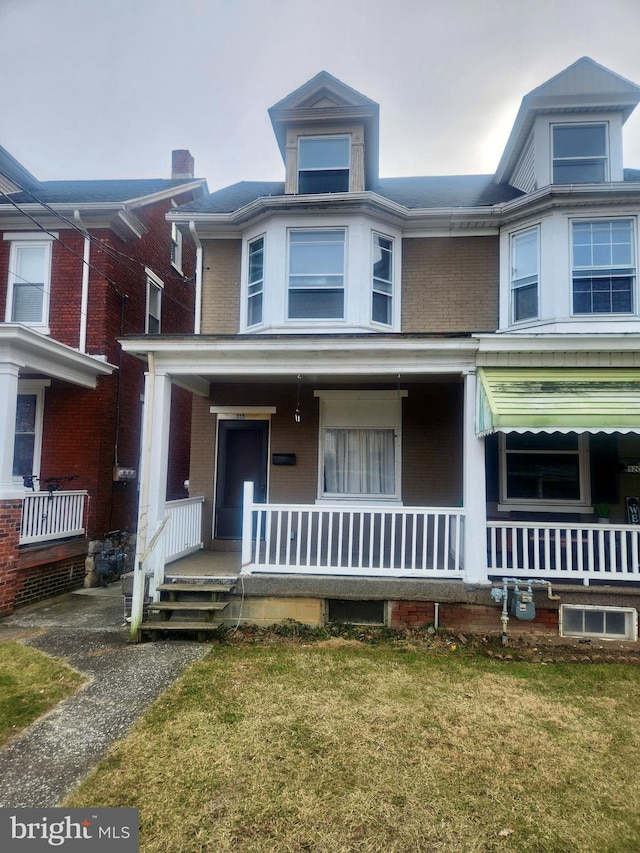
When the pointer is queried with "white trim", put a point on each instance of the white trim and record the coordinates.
(43, 325)
(30, 235)
(631, 622)
(155, 278)
(34, 387)
(155, 285)
(242, 410)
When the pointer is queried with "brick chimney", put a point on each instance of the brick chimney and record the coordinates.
(182, 164)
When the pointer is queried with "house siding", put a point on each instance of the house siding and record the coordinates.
(221, 287)
(450, 285)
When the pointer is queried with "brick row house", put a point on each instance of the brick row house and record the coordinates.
(413, 397)
(82, 263)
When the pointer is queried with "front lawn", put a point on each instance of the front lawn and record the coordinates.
(31, 683)
(336, 747)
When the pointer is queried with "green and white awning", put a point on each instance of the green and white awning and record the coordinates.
(558, 400)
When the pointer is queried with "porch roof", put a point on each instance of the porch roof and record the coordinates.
(558, 400)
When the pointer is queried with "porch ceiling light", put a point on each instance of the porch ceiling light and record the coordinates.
(297, 415)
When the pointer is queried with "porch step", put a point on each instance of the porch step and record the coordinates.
(152, 629)
(211, 588)
(204, 606)
(186, 606)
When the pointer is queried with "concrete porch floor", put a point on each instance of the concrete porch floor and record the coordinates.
(206, 564)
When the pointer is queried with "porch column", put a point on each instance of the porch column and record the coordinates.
(153, 485)
(9, 397)
(474, 491)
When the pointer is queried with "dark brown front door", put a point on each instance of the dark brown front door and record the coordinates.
(242, 455)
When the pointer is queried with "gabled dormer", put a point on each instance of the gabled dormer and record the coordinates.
(569, 130)
(328, 136)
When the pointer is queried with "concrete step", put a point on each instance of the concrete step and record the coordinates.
(204, 606)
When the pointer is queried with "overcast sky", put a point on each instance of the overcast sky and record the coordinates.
(107, 88)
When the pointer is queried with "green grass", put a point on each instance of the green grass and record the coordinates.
(331, 748)
(30, 685)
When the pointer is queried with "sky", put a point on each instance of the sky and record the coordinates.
(108, 88)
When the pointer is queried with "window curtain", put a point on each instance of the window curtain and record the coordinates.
(359, 461)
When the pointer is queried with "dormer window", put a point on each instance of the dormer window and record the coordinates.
(580, 153)
(323, 164)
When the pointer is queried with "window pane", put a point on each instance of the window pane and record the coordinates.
(572, 621)
(317, 258)
(579, 172)
(26, 413)
(541, 476)
(525, 302)
(328, 152)
(30, 261)
(359, 461)
(594, 622)
(27, 304)
(255, 310)
(525, 255)
(381, 310)
(316, 304)
(329, 181)
(580, 141)
(615, 623)
(23, 455)
(256, 260)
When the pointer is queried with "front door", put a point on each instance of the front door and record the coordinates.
(242, 455)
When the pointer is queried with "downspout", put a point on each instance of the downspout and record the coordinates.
(197, 320)
(137, 600)
(84, 299)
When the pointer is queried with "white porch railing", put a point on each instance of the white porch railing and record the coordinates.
(564, 551)
(339, 539)
(183, 532)
(52, 515)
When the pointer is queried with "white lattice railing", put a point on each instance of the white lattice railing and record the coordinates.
(183, 532)
(351, 540)
(564, 551)
(52, 515)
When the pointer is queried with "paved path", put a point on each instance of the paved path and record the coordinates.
(87, 630)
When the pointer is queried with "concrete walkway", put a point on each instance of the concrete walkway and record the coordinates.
(87, 630)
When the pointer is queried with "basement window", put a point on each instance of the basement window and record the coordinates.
(606, 623)
(356, 612)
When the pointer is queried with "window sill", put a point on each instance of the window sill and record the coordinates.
(585, 509)
(356, 501)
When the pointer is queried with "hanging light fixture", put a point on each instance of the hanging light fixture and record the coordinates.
(297, 415)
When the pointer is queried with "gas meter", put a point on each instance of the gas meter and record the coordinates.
(522, 604)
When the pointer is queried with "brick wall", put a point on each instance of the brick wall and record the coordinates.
(46, 581)
(221, 287)
(474, 618)
(10, 518)
(450, 284)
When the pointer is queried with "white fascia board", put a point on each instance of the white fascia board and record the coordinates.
(40, 354)
(170, 192)
(579, 342)
(263, 357)
(555, 196)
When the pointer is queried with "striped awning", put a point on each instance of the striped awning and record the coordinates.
(558, 400)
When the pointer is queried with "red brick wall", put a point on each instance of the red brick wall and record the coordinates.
(10, 517)
(41, 582)
(474, 618)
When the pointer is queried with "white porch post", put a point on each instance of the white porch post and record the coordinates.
(153, 485)
(9, 397)
(247, 522)
(474, 491)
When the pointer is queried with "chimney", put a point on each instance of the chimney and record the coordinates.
(182, 164)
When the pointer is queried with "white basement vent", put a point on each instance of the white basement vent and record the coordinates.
(607, 623)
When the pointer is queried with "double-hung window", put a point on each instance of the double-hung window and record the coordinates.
(255, 282)
(323, 164)
(360, 444)
(28, 429)
(316, 274)
(29, 282)
(382, 279)
(154, 303)
(176, 247)
(580, 153)
(524, 275)
(544, 468)
(604, 272)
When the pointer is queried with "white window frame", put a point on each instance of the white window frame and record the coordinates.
(517, 282)
(605, 158)
(577, 271)
(378, 410)
(631, 622)
(347, 168)
(320, 230)
(259, 291)
(547, 504)
(155, 285)
(34, 387)
(176, 247)
(30, 240)
(375, 235)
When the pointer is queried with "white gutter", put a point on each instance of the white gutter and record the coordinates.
(197, 320)
(84, 299)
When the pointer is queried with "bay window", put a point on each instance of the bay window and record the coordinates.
(382, 277)
(603, 256)
(255, 282)
(316, 274)
(524, 275)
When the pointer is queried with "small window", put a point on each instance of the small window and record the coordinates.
(323, 164)
(382, 276)
(356, 612)
(154, 303)
(255, 282)
(544, 468)
(607, 623)
(176, 247)
(316, 274)
(28, 429)
(579, 153)
(524, 275)
(29, 277)
(603, 256)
